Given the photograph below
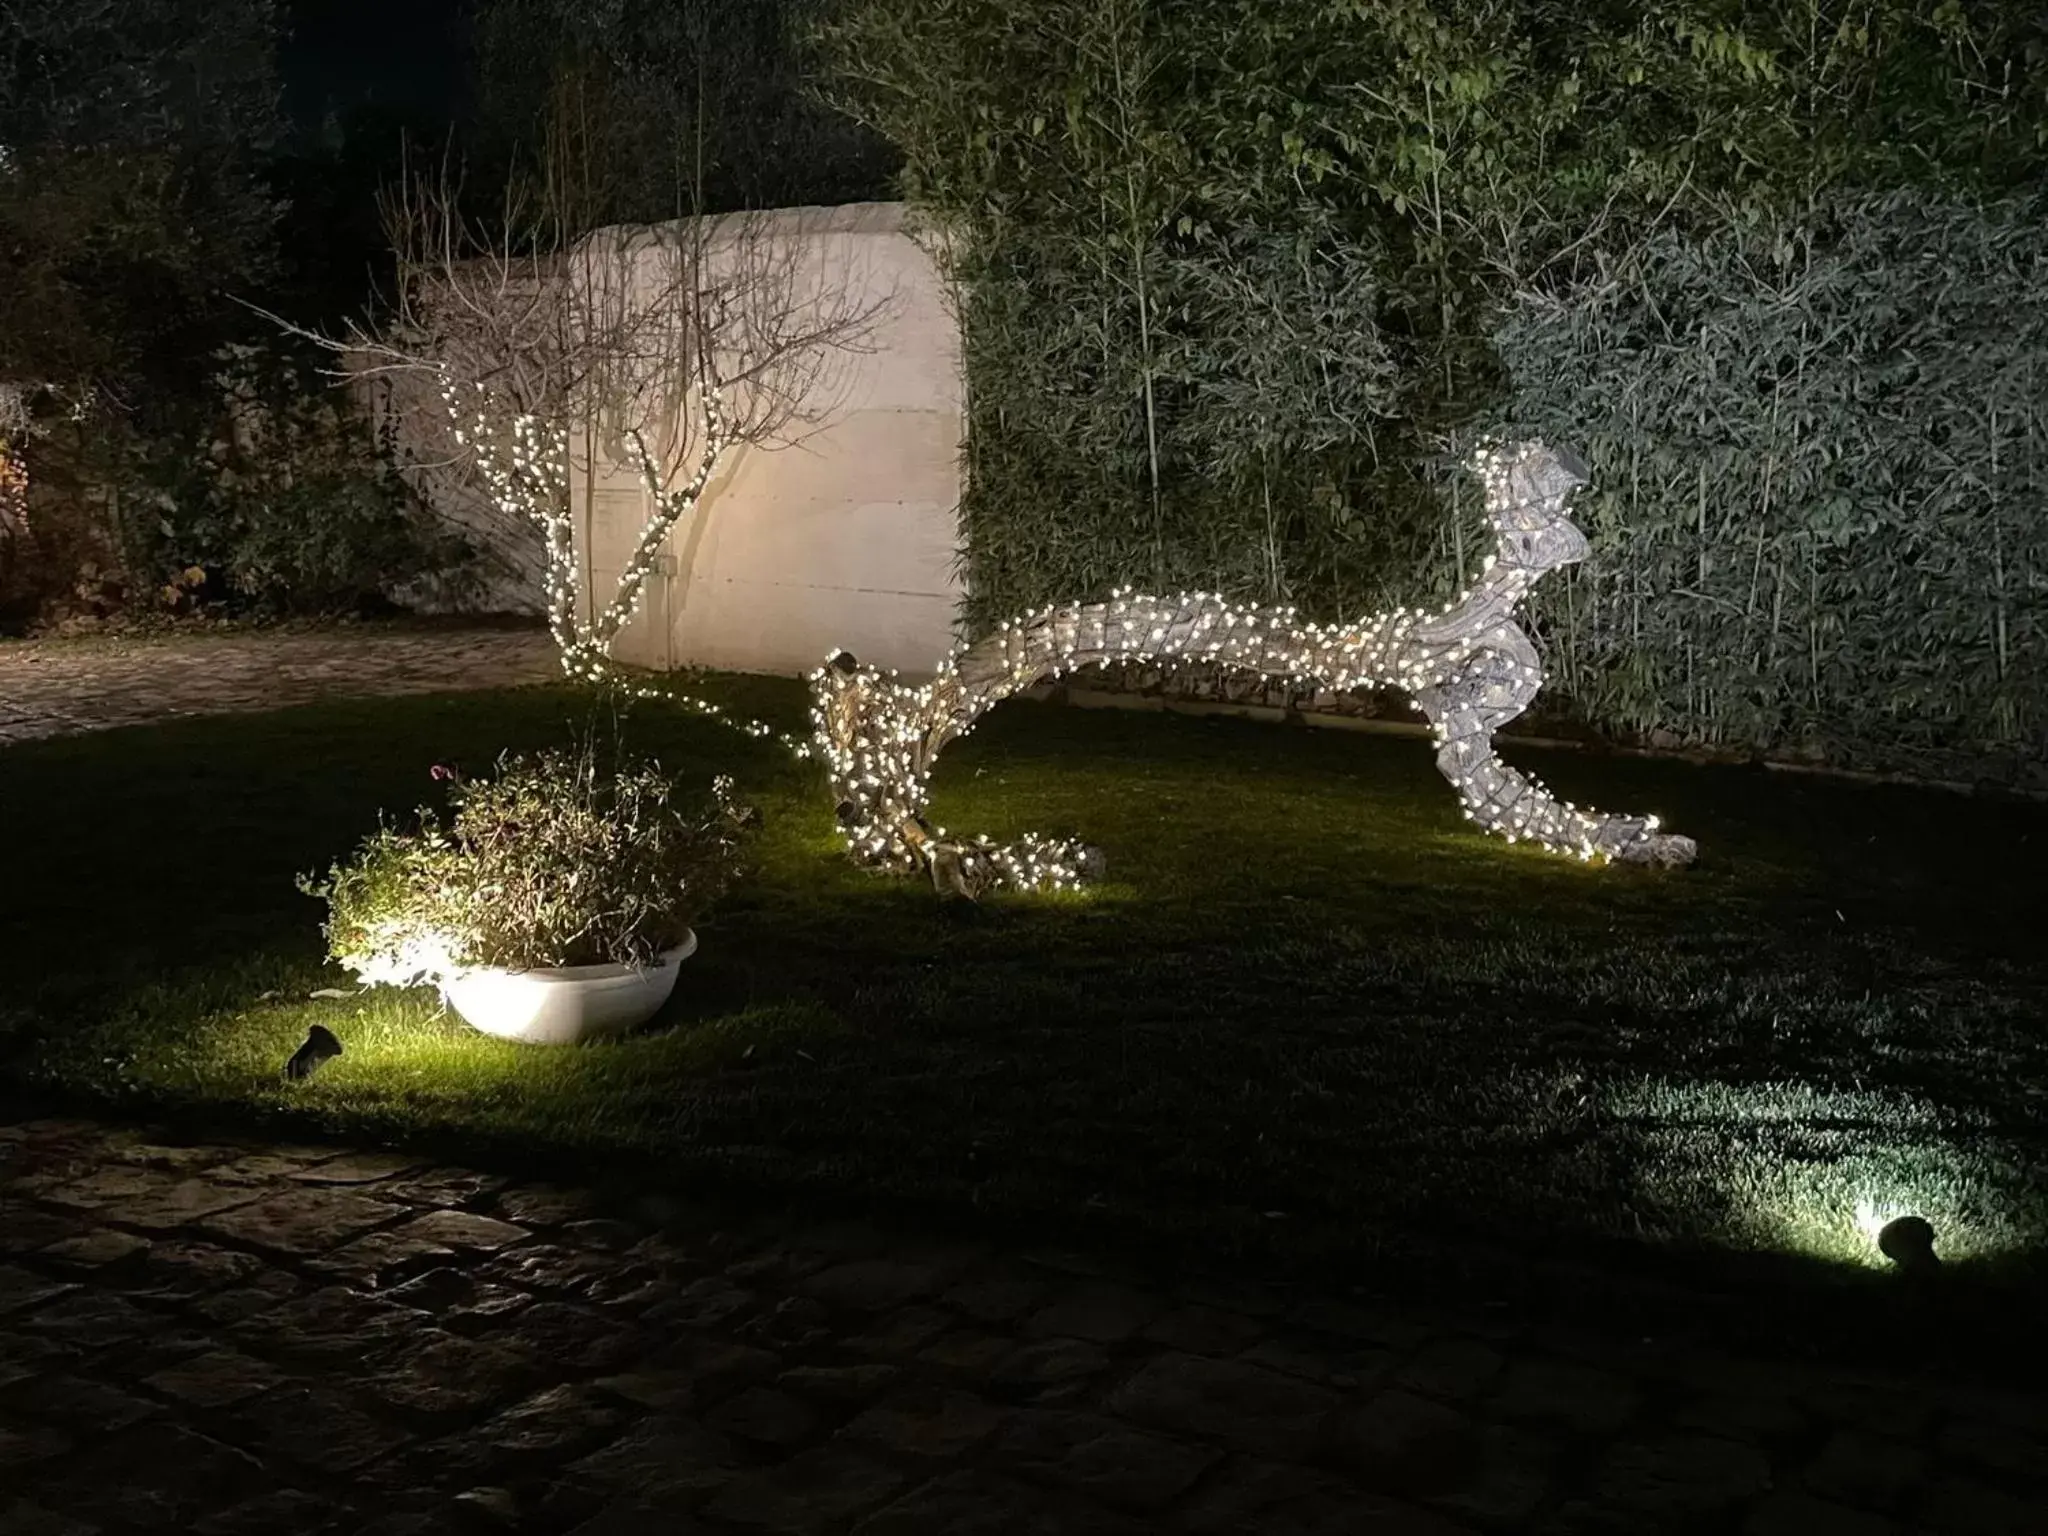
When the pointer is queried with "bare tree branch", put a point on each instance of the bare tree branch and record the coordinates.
(661, 350)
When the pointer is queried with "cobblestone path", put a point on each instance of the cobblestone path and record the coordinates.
(225, 1338)
(60, 687)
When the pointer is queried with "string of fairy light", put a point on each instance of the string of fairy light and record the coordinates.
(1469, 668)
(524, 464)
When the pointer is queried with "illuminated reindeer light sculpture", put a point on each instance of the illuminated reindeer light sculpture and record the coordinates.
(1470, 669)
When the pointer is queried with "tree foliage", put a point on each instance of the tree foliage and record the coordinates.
(681, 106)
(133, 142)
(281, 501)
(1109, 170)
(1469, 134)
(1820, 456)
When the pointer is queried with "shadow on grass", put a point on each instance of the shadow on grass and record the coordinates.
(1312, 1024)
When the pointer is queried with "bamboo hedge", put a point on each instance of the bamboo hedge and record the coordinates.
(1821, 456)
(1237, 278)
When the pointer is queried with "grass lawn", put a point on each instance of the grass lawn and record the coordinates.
(1312, 1016)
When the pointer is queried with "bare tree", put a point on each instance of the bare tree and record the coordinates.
(662, 349)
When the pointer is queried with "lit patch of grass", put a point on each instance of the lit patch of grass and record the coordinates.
(409, 1061)
(1308, 1009)
(1801, 1170)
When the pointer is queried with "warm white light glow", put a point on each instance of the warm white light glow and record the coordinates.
(1872, 1218)
(1470, 669)
(392, 954)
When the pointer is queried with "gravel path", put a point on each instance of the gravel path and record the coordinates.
(62, 687)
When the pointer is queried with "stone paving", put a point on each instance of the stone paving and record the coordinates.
(61, 687)
(237, 1338)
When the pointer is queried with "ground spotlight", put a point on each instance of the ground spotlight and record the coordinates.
(1908, 1241)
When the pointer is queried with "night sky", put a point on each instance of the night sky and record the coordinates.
(405, 57)
(395, 75)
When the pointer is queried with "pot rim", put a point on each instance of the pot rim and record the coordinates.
(607, 970)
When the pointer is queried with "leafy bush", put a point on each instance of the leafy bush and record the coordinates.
(134, 144)
(1114, 177)
(1230, 274)
(293, 507)
(265, 495)
(557, 861)
(1820, 506)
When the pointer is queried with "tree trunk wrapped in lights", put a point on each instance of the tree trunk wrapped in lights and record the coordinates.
(1470, 669)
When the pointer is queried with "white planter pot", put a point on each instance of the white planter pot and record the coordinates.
(572, 1004)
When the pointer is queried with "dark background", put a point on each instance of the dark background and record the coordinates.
(365, 82)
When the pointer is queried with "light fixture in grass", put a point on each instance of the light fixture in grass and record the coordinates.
(555, 902)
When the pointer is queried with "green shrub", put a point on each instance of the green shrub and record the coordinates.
(556, 861)
(292, 507)
(1116, 178)
(1820, 452)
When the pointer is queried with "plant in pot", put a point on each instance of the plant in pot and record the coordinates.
(554, 905)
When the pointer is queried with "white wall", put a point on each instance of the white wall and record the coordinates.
(844, 540)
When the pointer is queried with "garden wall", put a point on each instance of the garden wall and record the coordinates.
(845, 538)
